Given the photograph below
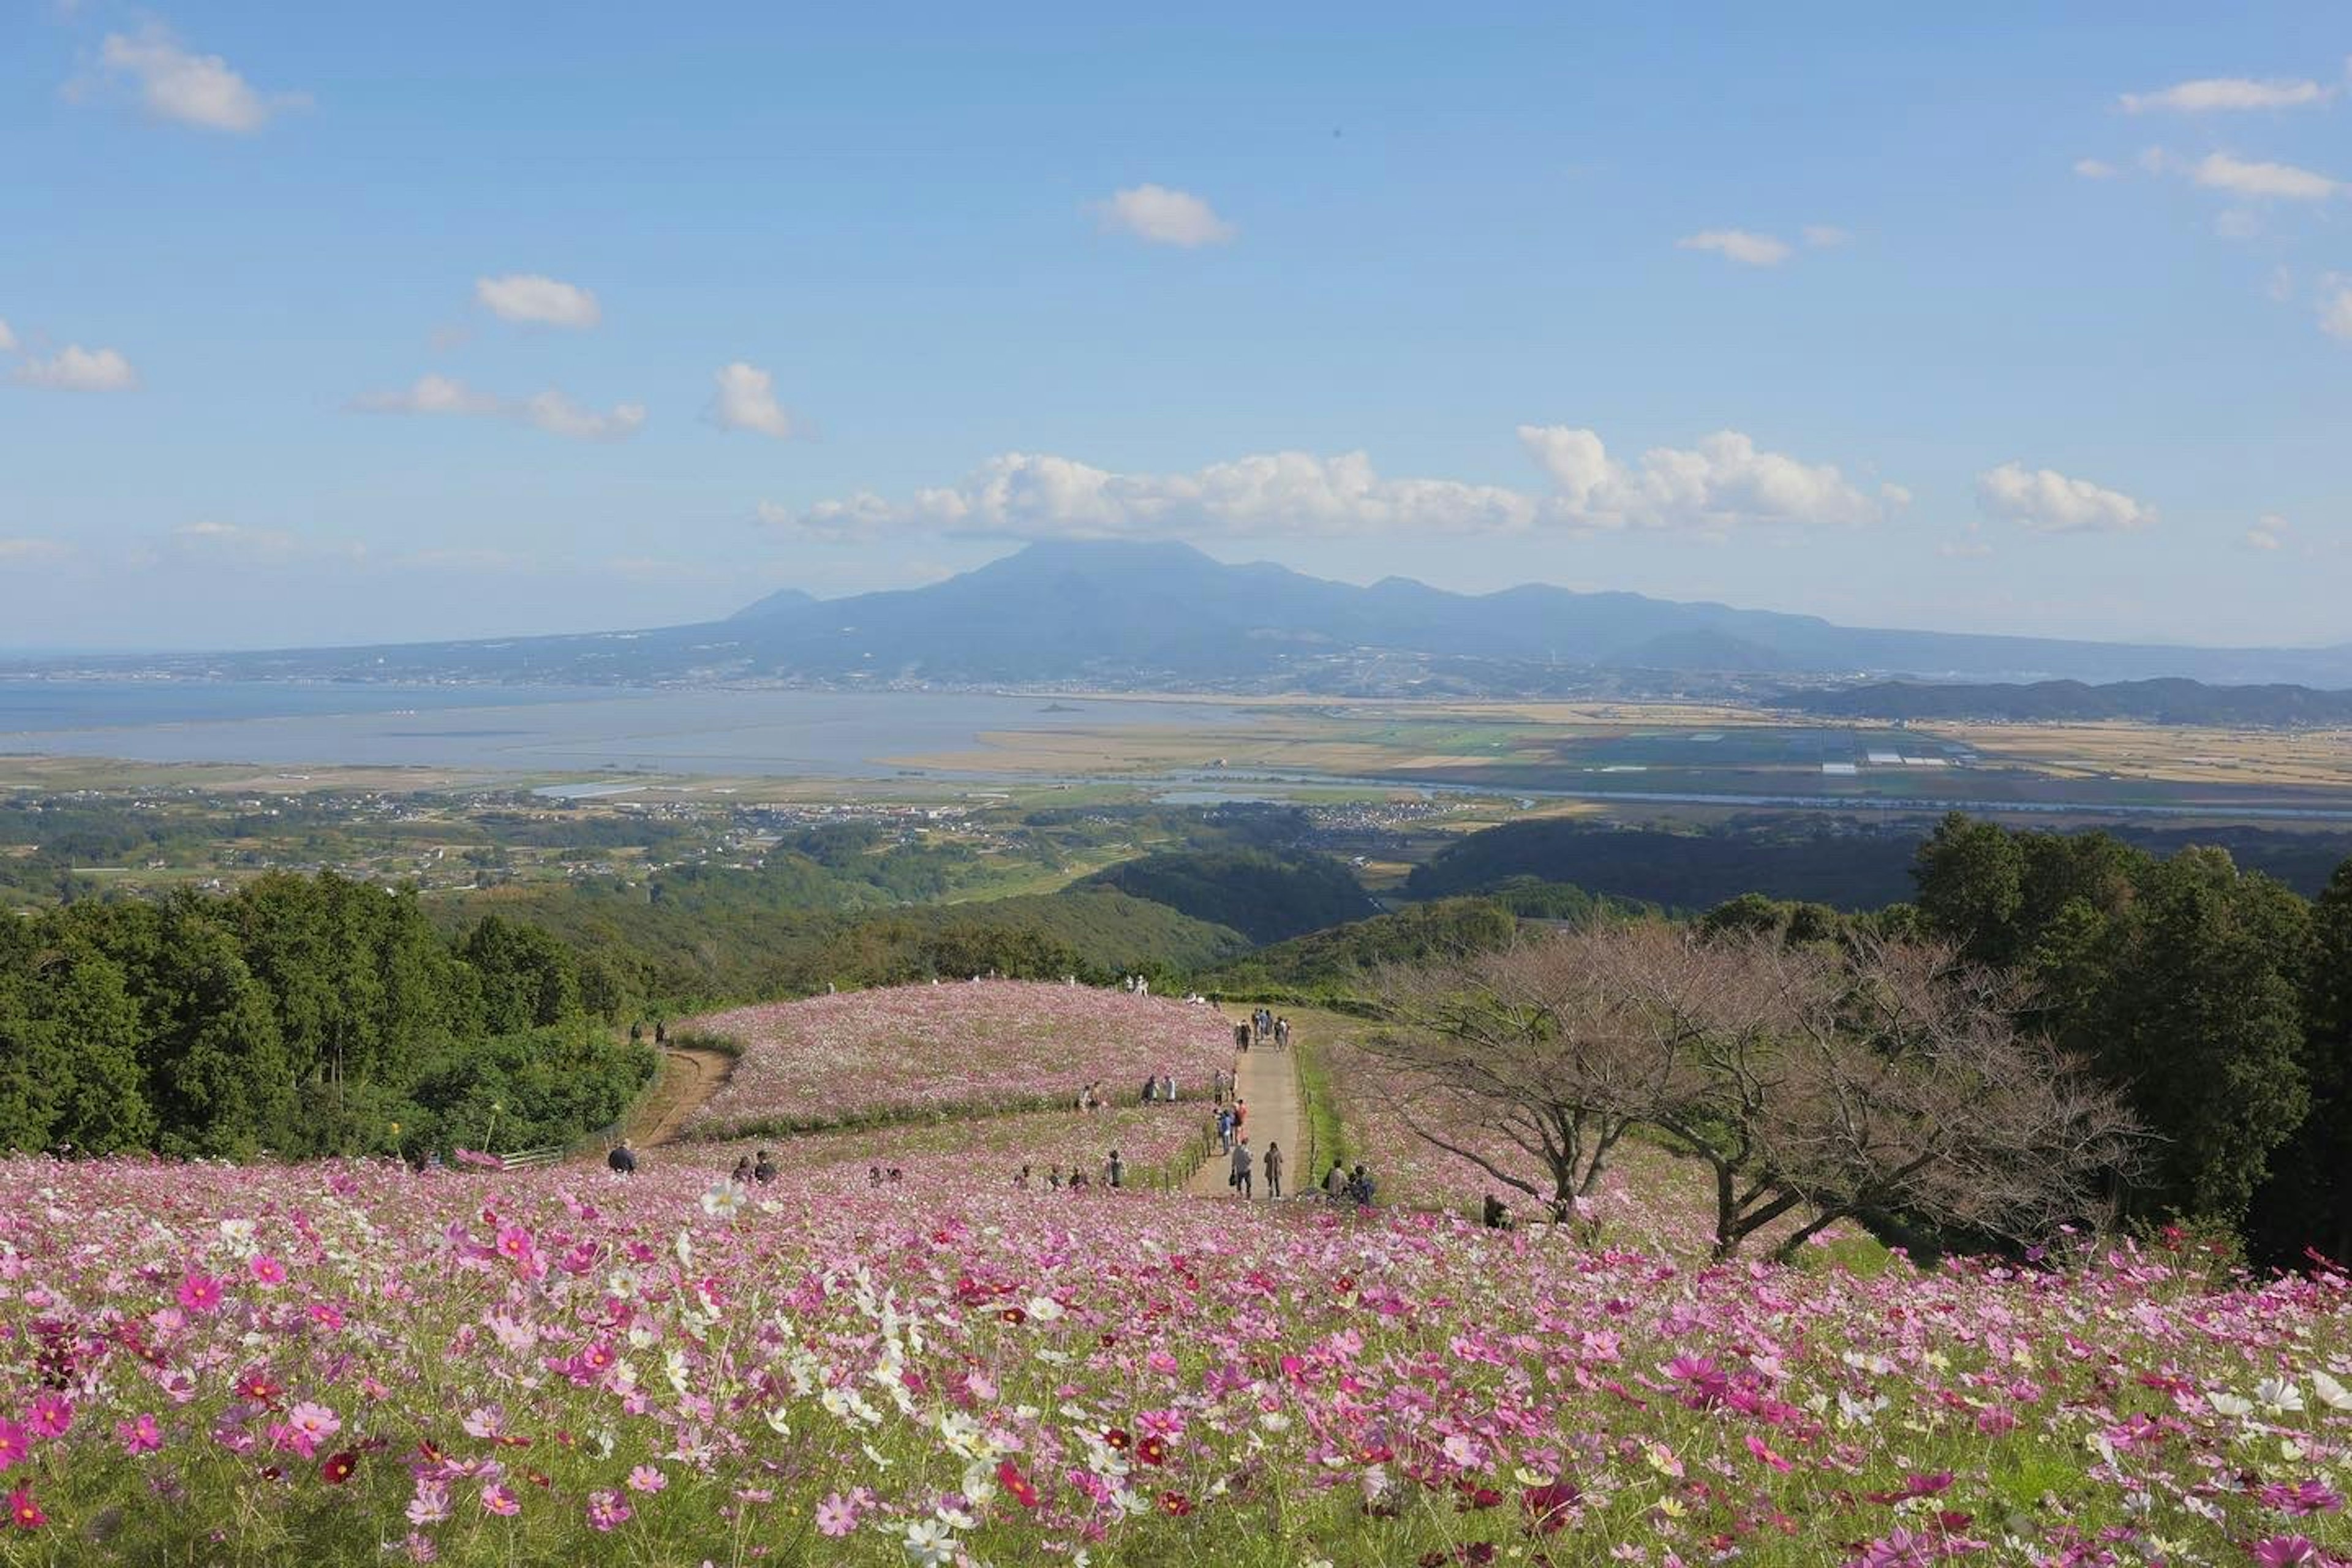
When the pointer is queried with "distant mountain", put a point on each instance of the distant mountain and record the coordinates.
(1163, 616)
(2170, 701)
(782, 601)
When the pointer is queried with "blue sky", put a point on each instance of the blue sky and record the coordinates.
(369, 323)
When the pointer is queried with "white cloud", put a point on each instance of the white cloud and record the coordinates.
(194, 90)
(2048, 501)
(2336, 308)
(1724, 481)
(1821, 235)
(1163, 216)
(549, 411)
(7, 339)
(77, 369)
(559, 416)
(2096, 169)
(2221, 171)
(2266, 534)
(2229, 93)
(746, 400)
(2237, 222)
(546, 302)
(1739, 245)
(34, 550)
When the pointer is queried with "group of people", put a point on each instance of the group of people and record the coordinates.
(1343, 1186)
(749, 1170)
(1229, 1124)
(1261, 1029)
(1239, 1181)
(1112, 1174)
(1159, 1088)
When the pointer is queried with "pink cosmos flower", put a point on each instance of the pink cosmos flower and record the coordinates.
(2277, 1552)
(24, 1512)
(51, 1415)
(142, 1436)
(200, 1293)
(608, 1509)
(266, 1270)
(1900, 1549)
(14, 1447)
(314, 1423)
(646, 1479)
(836, 1516)
(496, 1499)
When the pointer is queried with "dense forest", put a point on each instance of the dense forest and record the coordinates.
(1268, 896)
(1848, 863)
(300, 1016)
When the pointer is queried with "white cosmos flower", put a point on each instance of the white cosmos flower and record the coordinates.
(2329, 1392)
(929, 1542)
(2230, 1404)
(2279, 1396)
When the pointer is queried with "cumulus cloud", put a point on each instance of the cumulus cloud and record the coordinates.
(746, 400)
(1163, 216)
(190, 88)
(2096, 169)
(2226, 93)
(543, 301)
(2047, 502)
(549, 411)
(1737, 245)
(34, 551)
(2221, 171)
(2267, 534)
(77, 369)
(1821, 235)
(1725, 481)
(7, 340)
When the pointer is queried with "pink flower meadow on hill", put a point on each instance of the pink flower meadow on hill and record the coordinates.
(954, 1046)
(562, 1366)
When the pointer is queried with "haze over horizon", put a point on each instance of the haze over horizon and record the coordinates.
(327, 332)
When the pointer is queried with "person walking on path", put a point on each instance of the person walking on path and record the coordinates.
(1241, 1167)
(1240, 1115)
(1273, 1170)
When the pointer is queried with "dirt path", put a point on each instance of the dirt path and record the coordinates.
(1269, 1087)
(690, 1075)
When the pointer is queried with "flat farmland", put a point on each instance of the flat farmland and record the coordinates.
(1688, 754)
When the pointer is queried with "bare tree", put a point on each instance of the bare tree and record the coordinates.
(1913, 1091)
(1809, 1079)
(1537, 1048)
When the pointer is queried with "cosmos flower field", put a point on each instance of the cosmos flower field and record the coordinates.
(354, 1364)
(961, 1046)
